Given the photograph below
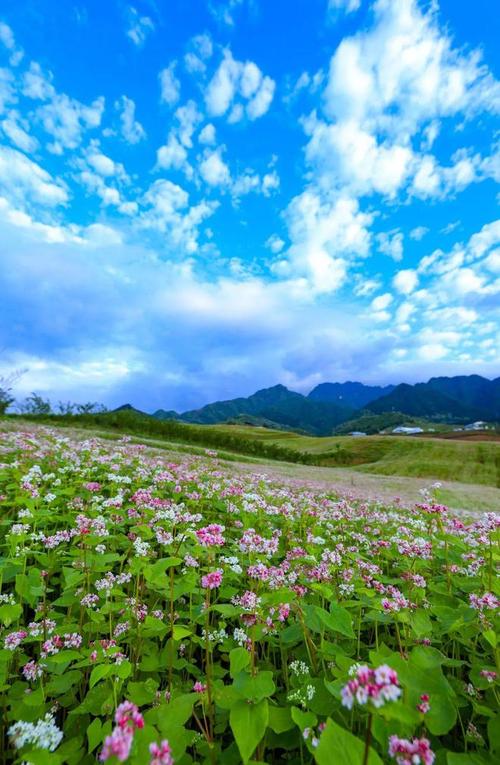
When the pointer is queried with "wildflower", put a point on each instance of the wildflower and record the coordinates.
(489, 675)
(13, 640)
(32, 671)
(43, 734)
(415, 752)
(211, 536)
(127, 715)
(118, 745)
(376, 686)
(160, 754)
(212, 580)
(199, 687)
(299, 668)
(487, 601)
(424, 705)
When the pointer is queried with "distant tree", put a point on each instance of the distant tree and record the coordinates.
(6, 383)
(65, 407)
(35, 404)
(91, 407)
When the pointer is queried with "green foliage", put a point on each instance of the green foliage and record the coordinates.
(105, 554)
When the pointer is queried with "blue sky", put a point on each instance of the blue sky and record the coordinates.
(202, 198)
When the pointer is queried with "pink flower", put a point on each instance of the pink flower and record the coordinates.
(376, 686)
(12, 641)
(118, 744)
(488, 600)
(126, 713)
(415, 752)
(211, 536)
(161, 754)
(199, 687)
(424, 705)
(489, 675)
(212, 580)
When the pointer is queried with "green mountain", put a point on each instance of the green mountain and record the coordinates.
(162, 414)
(472, 390)
(344, 407)
(422, 400)
(351, 394)
(279, 405)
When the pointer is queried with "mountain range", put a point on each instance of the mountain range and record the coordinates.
(442, 399)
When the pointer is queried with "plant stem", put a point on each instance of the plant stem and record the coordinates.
(368, 739)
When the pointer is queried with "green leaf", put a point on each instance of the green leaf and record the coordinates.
(10, 613)
(337, 745)
(474, 758)
(142, 693)
(254, 687)
(303, 719)
(99, 672)
(494, 733)
(41, 757)
(280, 719)
(341, 620)
(239, 659)
(94, 734)
(248, 723)
(179, 632)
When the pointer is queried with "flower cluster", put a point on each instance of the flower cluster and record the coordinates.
(374, 686)
(415, 752)
(43, 734)
(128, 719)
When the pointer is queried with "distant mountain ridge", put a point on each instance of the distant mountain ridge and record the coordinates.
(351, 394)
(442, 399)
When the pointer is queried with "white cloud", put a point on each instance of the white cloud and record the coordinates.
(235, 79)
(167, 210)
(16, 129)
(418, 233)
(202, 49)
(275, 244)
(261, 101)
(172, 154)
(7, 39)
(214, 170)
(7, 93)
(389, 87)
(327, 235)
(348, 6)
(62, 117)
(131, 130)
(169, 85)
(391, 243)
(139, 27)
(382, 302)
(405, 281)
(207, 135)
(24, 181)
(224, 10)
(432, 351)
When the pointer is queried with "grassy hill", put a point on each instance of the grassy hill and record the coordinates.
(426, 458)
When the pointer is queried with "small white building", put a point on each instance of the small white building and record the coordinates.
(357, 433)
(402, 430)
(479, 425)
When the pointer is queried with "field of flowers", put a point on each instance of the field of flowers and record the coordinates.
(154, 612)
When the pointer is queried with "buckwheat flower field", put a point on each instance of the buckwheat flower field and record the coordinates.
(161, 613)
